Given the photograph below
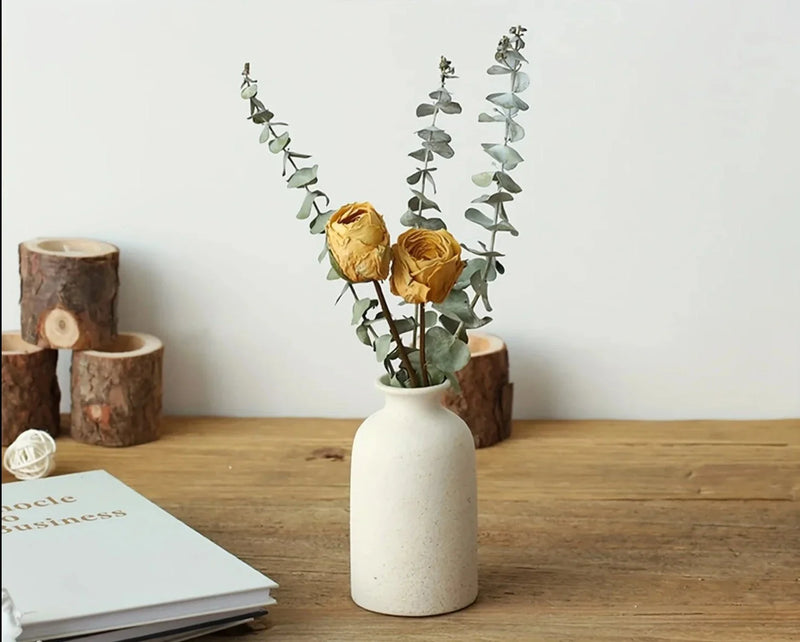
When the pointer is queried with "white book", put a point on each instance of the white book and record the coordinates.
(84, 553)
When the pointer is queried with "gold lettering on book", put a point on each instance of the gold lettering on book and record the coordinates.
(11, 516)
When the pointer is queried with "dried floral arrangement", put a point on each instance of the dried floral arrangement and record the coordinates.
(424, 266)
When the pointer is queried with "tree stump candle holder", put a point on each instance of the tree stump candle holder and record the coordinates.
(68, 293)
(30, 392)
(116, 393)
(486, 394)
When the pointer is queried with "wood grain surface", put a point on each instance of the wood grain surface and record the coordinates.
(588, 530)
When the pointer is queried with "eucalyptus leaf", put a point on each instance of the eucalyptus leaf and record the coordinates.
(411, 219)
(481, 288)
(489, 118)
(496, 70)
(362, 332)
(443, 149)
(325, 250)
(486, 253)
(277, 144)
(265, 134)
(441, 95)
(421, 202)
(333, 275)
(457, 307)
(425, 109)
(432, 224)
(430, 318)
(382, 346)
(484, 179)
(304, 176)
(422, 155)
(406, 324)
(429, 177)
(521, 82)
(308, 202)
(435, 376)
(473, 266)
(451, 108)
(515, 131)
(434, 134)
(451, 325)
(444, 351)
(335, 268)
(504, 154)
(262, 116)
(495, 197)
(514, 57)
(345, 288)
(249, 91)
(476, 216)
(508, 183)
(318, 223)
(455, 384)
(360, 308)
(499, 267)
(298, 155)
(505, 226)
(414, 178)
(507, 100)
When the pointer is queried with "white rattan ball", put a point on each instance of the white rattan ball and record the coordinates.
(32, 455)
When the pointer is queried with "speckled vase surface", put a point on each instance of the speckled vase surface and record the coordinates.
(413, 507)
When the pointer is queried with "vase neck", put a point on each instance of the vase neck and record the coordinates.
(430, 396)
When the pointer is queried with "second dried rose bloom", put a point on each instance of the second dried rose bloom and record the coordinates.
(359, 242)
(426, 265)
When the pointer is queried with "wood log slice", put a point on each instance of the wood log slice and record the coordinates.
(486, 393)
(68, 293)
(31, 395)
(116, 393)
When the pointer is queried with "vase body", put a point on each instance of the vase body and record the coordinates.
(413, 507)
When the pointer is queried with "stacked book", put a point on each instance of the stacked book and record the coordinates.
(85, 557)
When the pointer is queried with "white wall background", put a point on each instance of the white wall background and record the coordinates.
(657, 274)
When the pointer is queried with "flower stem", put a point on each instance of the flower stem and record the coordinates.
(412, 376)
(423, 362)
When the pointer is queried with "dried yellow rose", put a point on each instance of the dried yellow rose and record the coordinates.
(426, 265)
(359, 242)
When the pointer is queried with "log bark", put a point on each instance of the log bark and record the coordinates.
(116, 394)
(68, 293)
(486, 393)
(30, 392)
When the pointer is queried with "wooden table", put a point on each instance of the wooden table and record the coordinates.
(588, 530)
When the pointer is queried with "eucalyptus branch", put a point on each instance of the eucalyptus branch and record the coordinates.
(302, 177)
(435, 141)
(507, 105)
(396, 336)
(446, 70)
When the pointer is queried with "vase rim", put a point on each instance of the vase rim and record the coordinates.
(382, 384)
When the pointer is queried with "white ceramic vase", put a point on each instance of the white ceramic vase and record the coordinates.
(413, 507)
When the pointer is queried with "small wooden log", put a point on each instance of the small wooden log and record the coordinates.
(68, 293)
(31, 395)
(486, 393)
(116, 394)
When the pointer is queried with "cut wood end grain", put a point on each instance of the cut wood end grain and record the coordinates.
(77, 247)
(128, 344)
(13, 343)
